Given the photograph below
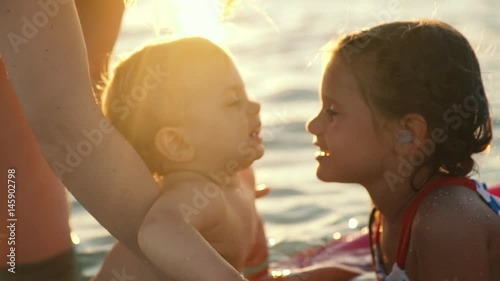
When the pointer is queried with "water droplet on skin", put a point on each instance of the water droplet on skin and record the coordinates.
(470, 199)
(427, 228)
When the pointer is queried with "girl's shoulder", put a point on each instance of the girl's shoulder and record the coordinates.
(454, 207)
(451, 224)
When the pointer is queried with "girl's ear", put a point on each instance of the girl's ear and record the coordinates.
(173, 144)
(411, 134)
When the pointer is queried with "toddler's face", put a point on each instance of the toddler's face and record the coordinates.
(224, 125)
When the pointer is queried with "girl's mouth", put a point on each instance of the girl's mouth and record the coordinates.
(322, 153)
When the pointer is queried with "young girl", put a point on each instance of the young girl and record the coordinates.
(182, 105)
(403, 111)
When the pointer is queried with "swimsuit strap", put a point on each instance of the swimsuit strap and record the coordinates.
(374, 233)
(407, 221)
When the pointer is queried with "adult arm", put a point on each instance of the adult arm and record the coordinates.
(100, 21)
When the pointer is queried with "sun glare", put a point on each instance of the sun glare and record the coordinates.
(74, 238)
(193, 18)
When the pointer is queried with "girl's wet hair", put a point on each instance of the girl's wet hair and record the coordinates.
(425, 67)
(139, 99)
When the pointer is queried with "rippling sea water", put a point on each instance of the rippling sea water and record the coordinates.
(280, 62)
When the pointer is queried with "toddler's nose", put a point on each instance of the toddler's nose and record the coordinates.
(253, 107)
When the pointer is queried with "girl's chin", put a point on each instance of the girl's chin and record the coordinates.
(327, 175)
(325, 178)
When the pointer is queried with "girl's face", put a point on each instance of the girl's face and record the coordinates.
(351, 150)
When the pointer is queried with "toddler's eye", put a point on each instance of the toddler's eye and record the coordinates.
(233, 99)
(235, 102)
(330, 111)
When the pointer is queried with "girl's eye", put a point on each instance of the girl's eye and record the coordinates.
(330, 111)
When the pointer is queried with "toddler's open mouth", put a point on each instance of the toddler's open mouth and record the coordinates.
(255, 134)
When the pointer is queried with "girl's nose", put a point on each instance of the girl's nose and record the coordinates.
(312, 126)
